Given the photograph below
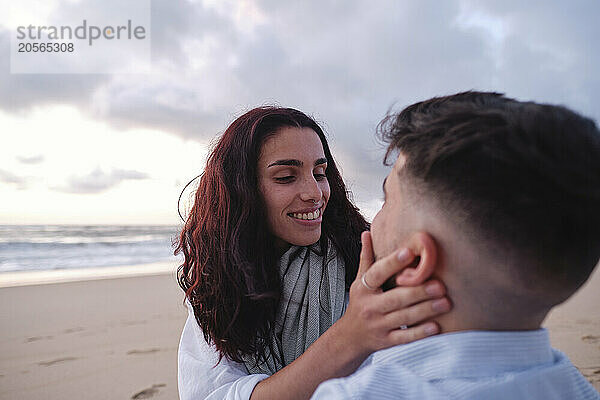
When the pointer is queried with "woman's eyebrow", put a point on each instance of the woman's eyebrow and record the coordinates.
(296, 163)
(321, 161)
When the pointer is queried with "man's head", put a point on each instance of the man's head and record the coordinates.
(509, 193)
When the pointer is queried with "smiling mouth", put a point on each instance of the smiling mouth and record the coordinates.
(307, 216)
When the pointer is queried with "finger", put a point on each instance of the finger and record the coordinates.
(419, 312)
(402, 297)
(366, 254)
(403, 336)
(385, 268)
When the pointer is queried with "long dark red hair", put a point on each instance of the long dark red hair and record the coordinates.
(229, 273)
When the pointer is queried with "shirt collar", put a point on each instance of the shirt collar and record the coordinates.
(471, 354)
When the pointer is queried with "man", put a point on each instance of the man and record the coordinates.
(505, 196)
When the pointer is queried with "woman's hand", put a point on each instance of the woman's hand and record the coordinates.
(375, 319)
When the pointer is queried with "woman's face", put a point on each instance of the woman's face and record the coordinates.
(292, 181)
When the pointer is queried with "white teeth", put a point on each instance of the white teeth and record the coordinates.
(307, 216)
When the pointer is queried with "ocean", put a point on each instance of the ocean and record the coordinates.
(51, 247)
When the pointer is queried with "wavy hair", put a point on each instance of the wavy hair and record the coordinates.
(229, 273)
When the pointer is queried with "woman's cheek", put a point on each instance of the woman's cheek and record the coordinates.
(326, 190)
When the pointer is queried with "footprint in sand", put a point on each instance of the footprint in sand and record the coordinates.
(592, 374)
(36, 338)
(71, 330)
(146, 351)
(148, 393)
(590, 339)
(56, 361)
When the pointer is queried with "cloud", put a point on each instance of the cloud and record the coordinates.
(99, 181)
(346, 64)
(20, 92)
(11, 178)
(31, 159)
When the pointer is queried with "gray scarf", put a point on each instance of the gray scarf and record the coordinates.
(312, 299)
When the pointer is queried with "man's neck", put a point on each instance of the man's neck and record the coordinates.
(454, 321)
(484, 295)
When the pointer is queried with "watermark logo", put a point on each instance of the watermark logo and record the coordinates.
(107, 38)
(84, 32)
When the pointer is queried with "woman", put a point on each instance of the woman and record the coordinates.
(271, 248)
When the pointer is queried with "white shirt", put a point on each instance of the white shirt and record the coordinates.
(199, 376)
(466, 365)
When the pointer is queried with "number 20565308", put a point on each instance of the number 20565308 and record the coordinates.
(46, 48)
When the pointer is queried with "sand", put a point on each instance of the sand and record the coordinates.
(117, 338)
(574, 328)
(97, 339)
(26, 278)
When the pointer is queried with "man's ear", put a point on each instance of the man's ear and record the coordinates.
(424, 248)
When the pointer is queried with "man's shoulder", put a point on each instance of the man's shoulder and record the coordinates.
(441, 372)
(380, 381)
(393, 381)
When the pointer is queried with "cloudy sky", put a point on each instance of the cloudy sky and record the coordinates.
(118, 148)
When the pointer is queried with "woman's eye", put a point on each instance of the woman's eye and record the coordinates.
(320, 177)
(284, 179)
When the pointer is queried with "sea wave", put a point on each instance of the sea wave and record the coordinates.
(44, 247)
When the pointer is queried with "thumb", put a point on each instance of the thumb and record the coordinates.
(366, 254)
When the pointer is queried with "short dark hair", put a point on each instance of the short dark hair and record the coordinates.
(521, 175)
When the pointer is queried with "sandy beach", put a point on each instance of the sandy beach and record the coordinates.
(116, 338)
(95, 339)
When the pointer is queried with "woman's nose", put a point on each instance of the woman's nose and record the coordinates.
(310, 190)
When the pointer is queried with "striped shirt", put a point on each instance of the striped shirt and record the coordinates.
(466, 365)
